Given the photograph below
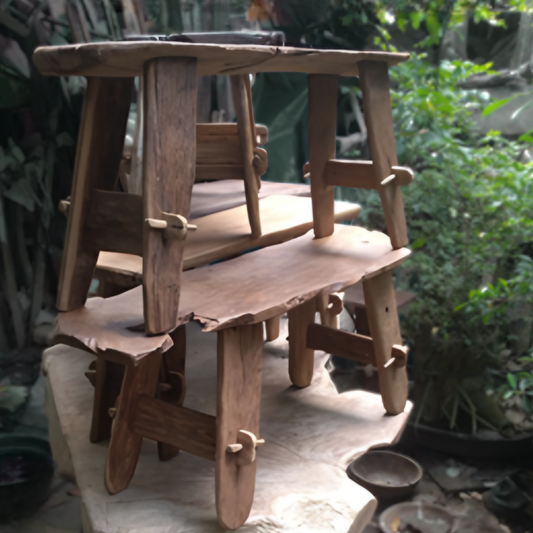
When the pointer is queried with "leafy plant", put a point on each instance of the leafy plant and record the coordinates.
(469, 212)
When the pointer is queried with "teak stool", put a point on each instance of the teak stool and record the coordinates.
(233, 298)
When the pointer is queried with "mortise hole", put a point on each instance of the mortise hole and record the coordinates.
(386, 309)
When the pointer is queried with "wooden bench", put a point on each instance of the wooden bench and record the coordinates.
(141, 331)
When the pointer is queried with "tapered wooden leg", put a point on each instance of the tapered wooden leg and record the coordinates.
(100, 144)
(385, 329)
(169, 166)
(272, 328)
(239, 359)
(301, 358)
(124, 447)
(173, 376)
(107, 384)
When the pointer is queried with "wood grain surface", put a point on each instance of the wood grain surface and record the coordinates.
(378, 118)
(301, 357)
(126, 59)
(125, 446)
(226, 234)
(239, 360)
(322, 128)
(311, 436)
(244, 290)
(169, 164)
(107, 101)
(245, 122)
(385, 330)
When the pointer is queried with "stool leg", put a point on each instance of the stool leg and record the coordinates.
(272, 328)
(109, 378)
(173, 374)
(239, 359)
(107, 102)
(385, 329)
(301, 358)
(169, 166)
(125, 446)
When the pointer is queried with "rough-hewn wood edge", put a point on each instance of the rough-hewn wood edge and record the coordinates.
(383, 264)
(48, 59)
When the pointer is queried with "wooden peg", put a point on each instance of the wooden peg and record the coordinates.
(249, 444)
(156, 224)
(388, 180)
(112, 411)
(175, 226)
(165, 387)
(233, 448)
(335, 302)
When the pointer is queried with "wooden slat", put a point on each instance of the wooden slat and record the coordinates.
(206, 132)
(342, 343)
(322, 127)
(127, 59)
(219, 236)
(125, 446)
(239, 361)
(345, 173)
(219, 151)
(301, 357)
(190, 431)
(385, 330)
(169, 168)
(244, 124)
(361, 174)
(100, 143)
(378, 118)
(219, 172)
(115, 222)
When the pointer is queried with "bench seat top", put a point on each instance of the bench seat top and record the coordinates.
(227, 233)
(126, 58)
(245, 290)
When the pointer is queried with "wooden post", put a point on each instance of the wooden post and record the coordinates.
(301, 358)
(385, 329)
(169, 169)
(272, 326)
(125, 446)
(374, 76)
(247, 142)
(240, 356)
(322, 128)
(173, 362)
(108, 381)
(100, 144)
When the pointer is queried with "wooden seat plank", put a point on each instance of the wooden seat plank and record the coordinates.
(245, 290)
(227, 233)
(125, 59)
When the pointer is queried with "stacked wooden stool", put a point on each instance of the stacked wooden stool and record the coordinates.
(140, 329)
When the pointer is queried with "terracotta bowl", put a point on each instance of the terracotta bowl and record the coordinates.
(424, 517)
(385, 474)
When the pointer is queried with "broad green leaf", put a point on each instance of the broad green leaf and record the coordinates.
(511, 379)
(496, 105)
(507, 394)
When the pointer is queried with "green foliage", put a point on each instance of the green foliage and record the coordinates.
(469, 212)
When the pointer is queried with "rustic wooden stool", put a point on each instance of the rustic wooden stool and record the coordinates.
(140, 327)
